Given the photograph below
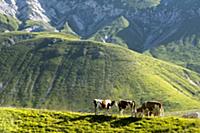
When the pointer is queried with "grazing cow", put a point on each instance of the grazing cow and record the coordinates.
(151, 107)
(124, 104)
(102, 104)
(141, 112)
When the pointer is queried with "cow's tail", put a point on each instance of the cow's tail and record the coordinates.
(162, 111)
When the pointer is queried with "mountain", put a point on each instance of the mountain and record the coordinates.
(147, 26)
(110, 31)
(151, 22)
(59, 71)
(57, 13)
(169, 32)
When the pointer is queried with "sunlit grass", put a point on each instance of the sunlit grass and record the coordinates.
(32, 120)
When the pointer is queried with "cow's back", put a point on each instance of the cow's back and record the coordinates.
(152, 104)
(123, 104)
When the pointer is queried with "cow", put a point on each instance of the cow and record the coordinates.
(141, 112)
(124, 104)
(102, 104)
(151, 107)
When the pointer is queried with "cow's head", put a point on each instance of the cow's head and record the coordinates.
(140, 109)
(113, 102)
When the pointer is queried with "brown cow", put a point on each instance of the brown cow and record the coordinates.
(102, 104)
(151, 107)
(124, 104)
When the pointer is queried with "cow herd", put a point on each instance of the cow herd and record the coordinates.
(147, 108)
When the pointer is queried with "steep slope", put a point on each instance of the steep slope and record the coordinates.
(8, 23)
(184, 52)
(170, 21)
(169, 32)
(30, 120)
(45, 70)
(110, 31)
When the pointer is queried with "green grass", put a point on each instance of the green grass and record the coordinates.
(111, 30)
(31, 120)
(59, 71)
(8, 23)
(68, 30)
(175, 52)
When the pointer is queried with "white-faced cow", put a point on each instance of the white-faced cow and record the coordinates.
(124, 104)
(102, 104)
(151, 107)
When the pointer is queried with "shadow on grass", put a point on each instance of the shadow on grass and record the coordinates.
(113, 120)
(124, 122)
(94, 118)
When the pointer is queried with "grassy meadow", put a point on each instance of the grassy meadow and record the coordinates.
(31, 120)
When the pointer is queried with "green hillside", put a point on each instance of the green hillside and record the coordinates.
(8, 23)
(29, 120)
(184, 52)
(110, 31)
(58, 71)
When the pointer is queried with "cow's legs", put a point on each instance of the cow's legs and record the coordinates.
(150, 113)
(107, 112)
(133, 114)
(121, 111)
(162, 111)
(143, 113)
(131, 105)
(95, 110)
(95, 107)
(133, 110)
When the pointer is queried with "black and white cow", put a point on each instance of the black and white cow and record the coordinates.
(102, 104)
(124, 104)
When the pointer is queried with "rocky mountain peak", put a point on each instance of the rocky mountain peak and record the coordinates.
(151, 22)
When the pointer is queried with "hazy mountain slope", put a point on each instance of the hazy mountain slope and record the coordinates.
(38, 70)
(170, 21)
(185, 52)
(169, 32)
(109, 33)
(85, 16)
(151, 21)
